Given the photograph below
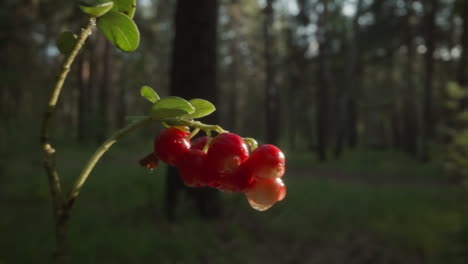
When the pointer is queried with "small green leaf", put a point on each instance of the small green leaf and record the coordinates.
(202, 108)
(148, 93)
(97, 10)
(120, 30)
(171, 107)
(66, 41)
(127, 7)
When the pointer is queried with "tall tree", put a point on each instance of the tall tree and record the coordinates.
(410, 120)
(427, 132)
(104, 93)
(271, 94)
(234, 69)
(324, 81)
(83, 95)
(353, 70)
(462, 72)
(193, 74)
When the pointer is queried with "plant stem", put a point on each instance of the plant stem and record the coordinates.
(195, 124)
(61, 254)
(95, 158)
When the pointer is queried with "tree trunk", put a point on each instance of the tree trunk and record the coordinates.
(293, 68)
(462, 72)
(427, 131)
(103, 101)
(83, 95)
(121, 110)
(324, 84)
(347, 117)
(193, 75)
(271, 95)
(410, 112)
(234, 24)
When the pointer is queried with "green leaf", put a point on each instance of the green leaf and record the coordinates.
(66, 41)
(97, 10)
(171, 107)
(127, 7)
(120, 30)
(148, 93)
(202, 108)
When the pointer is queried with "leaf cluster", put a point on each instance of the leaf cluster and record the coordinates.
(114, 20)
(173, 107)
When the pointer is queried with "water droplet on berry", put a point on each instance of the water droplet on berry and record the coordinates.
(259, 207)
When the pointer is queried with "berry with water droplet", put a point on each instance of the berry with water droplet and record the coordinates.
(264, 193)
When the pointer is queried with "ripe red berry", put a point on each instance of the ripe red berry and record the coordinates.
(199, 143)
(238, 181)
(226, 153)
(267, 161)
(171, 144)
(263, 193)
(191, 168)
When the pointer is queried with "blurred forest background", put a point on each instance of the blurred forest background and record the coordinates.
(367, 98)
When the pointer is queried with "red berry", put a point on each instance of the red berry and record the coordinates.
(267, 161)
(238, 181)
(171, 144)
(226, 153)
(191, 168)
(263, 193)
(199, 143)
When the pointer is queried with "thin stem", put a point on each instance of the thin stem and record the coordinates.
(54, 96)
(194, 133)
(95, 158)
(251, 142)
(207, 144)
(195, 124)
(49, 152)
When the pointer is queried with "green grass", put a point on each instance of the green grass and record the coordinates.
(374, 164)
(118, 217)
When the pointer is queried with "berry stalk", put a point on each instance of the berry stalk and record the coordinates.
(97, 156)
(196, 124)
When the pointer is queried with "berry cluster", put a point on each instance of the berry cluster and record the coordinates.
(224, 162)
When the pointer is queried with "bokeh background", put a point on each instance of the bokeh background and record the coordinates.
(367, 98)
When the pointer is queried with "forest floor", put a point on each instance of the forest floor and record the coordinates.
(366, 207)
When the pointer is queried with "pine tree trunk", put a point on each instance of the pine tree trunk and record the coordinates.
(271, 94)
(427, 131)
(103, 97)
(462, 71)
(193, 75)
(83, 95)
(324, 85)
(410, 121)
(233, 78)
